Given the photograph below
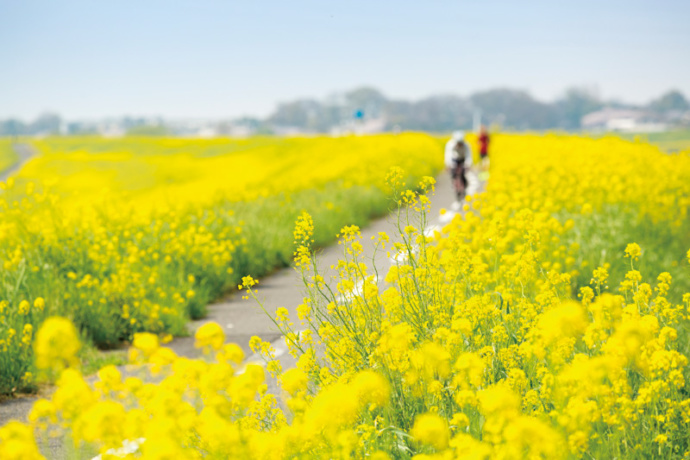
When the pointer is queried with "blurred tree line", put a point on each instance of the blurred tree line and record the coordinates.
(47, 123)
(510, 108)
(51, 123)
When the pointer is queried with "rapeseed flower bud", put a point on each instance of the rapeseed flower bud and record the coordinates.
(73, 395)
(146, 343)
(24, 307)
(469, 370)
(57, 344)
(633, 251)
(498, 400)
(17, 442)
(39, 303)
(27, 334)
(103, 423)
(431, 429)
(294, 381)
(230, 353)
(43, 415)
(566, 320)
(110, 379)
(209, 336)
(436, 360)
(282, 315)
(333, 407)
(372, 388)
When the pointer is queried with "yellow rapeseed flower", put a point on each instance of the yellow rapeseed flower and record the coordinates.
(57, 344)
(17, 442)
(431, 429)
(633, 251)
(210, 335)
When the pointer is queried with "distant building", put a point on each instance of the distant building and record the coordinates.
(356, 126)
(290, 131)
(623, 120)
(234, 129)
(206, 132)
(111, 129)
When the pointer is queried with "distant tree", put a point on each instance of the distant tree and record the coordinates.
(576, 103)
(81, 128)
(672, 100)
(264, 129)
(514, 109)
(13, 127)
(510, 108)
(399, 113)
(47, 123)
(370, 100)
(327, 117)
(618, 104)
(250, 122)
(299, 114)
(131, 122)
(434, 114)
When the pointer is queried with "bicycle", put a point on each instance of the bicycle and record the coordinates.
(459, 180)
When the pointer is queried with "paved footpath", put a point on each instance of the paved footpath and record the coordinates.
(241, 318)
(25, 152)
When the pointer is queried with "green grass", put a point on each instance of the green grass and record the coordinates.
(8, 156)
(93, 360)
(668, 141)
(604, 235)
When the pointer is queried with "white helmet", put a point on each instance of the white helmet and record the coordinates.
(458, 135)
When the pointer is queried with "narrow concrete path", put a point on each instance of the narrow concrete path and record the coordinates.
(241, 318)
(25, 153)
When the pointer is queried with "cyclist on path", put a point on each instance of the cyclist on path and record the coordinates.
(484, 139)
(458, 159)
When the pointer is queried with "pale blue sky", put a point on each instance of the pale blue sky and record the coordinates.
(206, 58)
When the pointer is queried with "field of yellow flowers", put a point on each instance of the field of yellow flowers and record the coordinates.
(548, 321)
(132, 235)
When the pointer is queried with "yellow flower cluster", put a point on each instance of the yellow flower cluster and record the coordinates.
(138, 235)
(218, 408)
(483, 342)
(17, 320)
(163, 173)
(491, 344)
(56, 344)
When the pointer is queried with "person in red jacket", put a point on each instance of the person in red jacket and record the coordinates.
(483, 139)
